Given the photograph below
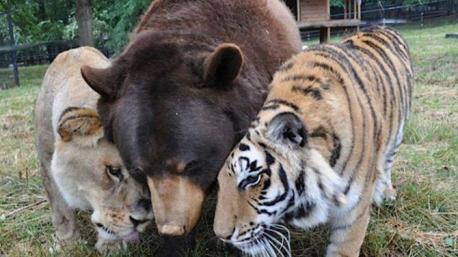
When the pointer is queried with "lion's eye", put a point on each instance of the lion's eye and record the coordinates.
(250, 181)
(114, 172)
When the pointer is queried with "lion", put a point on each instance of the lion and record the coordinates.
(81, 170)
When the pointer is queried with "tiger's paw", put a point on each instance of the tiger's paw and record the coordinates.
(390, 194)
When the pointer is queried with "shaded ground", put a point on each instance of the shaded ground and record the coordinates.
(422, 222)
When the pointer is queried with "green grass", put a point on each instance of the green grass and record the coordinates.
(423, 221)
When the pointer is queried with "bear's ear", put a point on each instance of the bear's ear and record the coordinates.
(223, 65)
(80, 125)
(104, 81)
(286, 128)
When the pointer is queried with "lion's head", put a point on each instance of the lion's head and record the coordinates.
(91, 176)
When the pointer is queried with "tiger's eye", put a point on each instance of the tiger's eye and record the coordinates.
(250, 181)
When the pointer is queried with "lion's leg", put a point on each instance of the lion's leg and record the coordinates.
(348, 231)
(109, 246)
(63, 216)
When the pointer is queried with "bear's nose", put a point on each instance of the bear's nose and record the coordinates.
(171, 230)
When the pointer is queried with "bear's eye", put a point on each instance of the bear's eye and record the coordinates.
(192, 166)
(250, 181)
(114, 172)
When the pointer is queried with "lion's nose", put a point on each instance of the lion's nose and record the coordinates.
(145, 204)
(171, 230)
(137, 222)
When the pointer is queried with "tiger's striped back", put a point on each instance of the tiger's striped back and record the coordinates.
(321, 149)
(371, 75)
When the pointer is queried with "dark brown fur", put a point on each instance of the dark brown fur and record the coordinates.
(179, 93)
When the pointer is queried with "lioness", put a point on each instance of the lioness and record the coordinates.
(80, 168)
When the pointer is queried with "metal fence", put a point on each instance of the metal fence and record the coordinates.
(9, 76)
(391, 14)
(41, 53)
(382, 10)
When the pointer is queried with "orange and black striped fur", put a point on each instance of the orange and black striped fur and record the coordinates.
(322, 147)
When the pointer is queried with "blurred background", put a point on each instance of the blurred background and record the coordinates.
(33, 32)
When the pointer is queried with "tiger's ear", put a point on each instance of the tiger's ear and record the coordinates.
(80, 125)
(223, 65)
(286, 128)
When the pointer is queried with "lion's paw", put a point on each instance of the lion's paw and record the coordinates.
(107, 247)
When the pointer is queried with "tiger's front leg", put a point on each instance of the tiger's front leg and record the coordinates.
(348, 231)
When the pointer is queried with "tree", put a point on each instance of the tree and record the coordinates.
(84, 19)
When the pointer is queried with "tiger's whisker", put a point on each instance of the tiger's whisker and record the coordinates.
(284, 238)
(273, 244)
(281, 245)
(269, 248)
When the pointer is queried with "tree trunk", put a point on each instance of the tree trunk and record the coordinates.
(41, 10)
(84, 19)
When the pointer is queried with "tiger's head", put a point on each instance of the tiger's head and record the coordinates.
(274, 176)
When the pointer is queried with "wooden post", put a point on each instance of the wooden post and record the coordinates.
(325, 34)
(355, 13)
(345, 9)
(84, 20)
(358, 4)
(13, 44)
(299, 15)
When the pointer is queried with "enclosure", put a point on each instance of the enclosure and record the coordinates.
(423, 221)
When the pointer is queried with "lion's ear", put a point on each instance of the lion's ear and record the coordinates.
(80, 125)
(223, 65)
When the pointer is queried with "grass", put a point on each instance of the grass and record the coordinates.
(423, 221)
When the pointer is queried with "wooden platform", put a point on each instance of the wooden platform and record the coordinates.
(329, 23)
(326, 25)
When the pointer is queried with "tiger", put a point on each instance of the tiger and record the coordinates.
(321, 149)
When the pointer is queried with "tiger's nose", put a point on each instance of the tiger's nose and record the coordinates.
(224, 234)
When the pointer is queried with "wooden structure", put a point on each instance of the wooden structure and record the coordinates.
(311, 14)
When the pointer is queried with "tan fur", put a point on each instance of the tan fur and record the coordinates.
(179, 194)
(353, 99)
(80, 126)
(74, 156)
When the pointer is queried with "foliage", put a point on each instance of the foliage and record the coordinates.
(47, 20)
(337, 3)
(116, 20)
